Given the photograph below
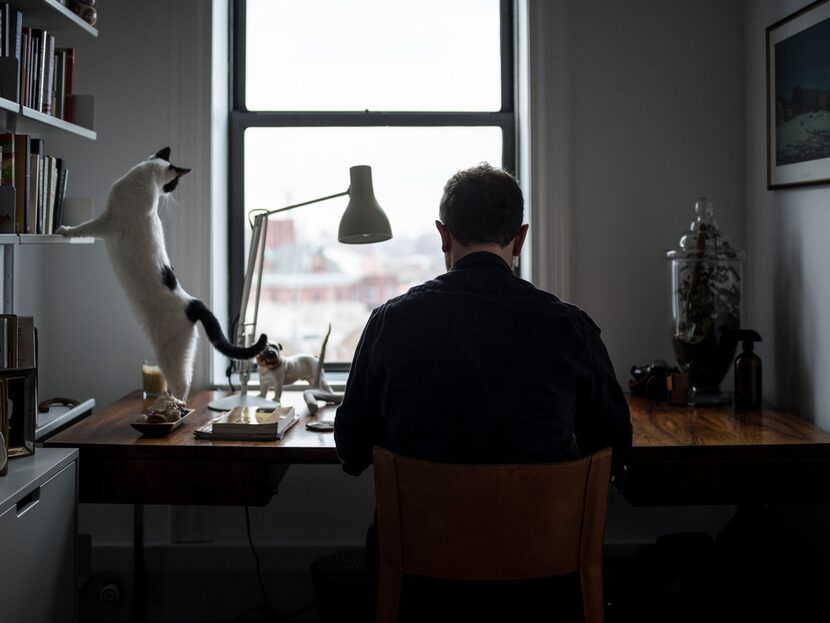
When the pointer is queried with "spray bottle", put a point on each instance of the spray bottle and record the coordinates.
(748, 394)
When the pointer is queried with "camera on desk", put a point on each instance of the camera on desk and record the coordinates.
(659, 381)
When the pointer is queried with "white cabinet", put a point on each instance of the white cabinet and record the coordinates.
(38, 532)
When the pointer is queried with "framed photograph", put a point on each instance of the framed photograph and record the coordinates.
(20, 407)
(798, 98)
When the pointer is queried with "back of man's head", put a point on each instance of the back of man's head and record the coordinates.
(482, 205)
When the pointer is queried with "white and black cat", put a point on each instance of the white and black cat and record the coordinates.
(131, 227)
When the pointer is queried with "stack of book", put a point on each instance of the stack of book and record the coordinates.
(249, 424)
(39, 181)
(44, 72)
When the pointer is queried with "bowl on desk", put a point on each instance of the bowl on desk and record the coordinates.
(159, 429)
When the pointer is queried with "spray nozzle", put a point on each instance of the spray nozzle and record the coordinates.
(747, 336)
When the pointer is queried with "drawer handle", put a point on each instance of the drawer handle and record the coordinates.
(28, 501)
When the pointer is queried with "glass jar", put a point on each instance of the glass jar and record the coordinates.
(706, 296)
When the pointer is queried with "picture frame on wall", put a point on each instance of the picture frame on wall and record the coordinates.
(798, 98)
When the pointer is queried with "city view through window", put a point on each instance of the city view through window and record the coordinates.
(309, 278)
(303, 59)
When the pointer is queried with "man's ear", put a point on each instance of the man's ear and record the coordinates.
(519, 240)
(446, 236)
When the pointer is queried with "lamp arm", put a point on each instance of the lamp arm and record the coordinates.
(262, 212)
(246, 328)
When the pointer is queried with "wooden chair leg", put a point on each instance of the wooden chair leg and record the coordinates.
(593, 597)
(389, 595)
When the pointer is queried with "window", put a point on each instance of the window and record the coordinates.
(415, 90)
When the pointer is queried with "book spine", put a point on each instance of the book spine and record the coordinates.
(21, 172)
(26, 342)
(40, 39)
(68, 113)
(7, 163)
(63, 178)
(5, 12)
(49, 75)
(52, 189)
(4, 342)
(36, 189)
(26, 54)
(60, 80)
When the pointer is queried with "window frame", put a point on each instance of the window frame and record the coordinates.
(241, 119)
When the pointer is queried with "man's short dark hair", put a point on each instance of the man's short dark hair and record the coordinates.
(482, 204)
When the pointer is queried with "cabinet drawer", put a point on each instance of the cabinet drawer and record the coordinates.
(37, 547)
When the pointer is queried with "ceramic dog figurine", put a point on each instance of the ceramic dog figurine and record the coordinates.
(277, 370)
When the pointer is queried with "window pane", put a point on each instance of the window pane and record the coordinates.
(311, 280)
(392, 55)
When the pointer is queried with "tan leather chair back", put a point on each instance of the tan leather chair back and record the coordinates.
(490, 522)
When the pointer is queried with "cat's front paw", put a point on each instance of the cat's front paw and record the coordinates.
(64, 231)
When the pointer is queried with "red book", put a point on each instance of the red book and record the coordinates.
(68, 112)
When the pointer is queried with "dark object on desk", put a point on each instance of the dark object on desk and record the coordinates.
(677, 385)
(43, 406)
(320, 427)
(651, 381)
(748, 374)
(159, 429)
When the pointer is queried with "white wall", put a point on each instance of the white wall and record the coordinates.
(655, 119)
(790, 267)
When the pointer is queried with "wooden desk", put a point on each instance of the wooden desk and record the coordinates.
(119, 465)
(685, 456)
(681, 456)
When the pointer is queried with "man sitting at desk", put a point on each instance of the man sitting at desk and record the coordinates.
(477, 365)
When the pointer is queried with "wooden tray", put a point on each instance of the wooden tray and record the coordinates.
(160, 429)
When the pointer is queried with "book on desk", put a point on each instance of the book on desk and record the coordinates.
(249, 424)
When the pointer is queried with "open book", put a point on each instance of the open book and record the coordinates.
(249, 424)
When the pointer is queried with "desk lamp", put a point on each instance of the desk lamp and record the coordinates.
(363, 222)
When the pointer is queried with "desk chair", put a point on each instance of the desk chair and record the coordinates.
(490, 522)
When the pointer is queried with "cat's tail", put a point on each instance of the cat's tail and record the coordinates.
(197, 311)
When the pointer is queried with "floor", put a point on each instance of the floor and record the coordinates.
(681, 578)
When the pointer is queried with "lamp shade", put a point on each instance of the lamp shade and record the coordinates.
(363, 221)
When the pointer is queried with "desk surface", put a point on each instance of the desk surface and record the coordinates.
(680, 455)
(119, 465)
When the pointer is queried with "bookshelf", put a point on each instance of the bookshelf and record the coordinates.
(60, 21)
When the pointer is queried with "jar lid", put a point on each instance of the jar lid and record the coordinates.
(705, 240)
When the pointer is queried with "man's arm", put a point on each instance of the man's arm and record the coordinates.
(602, 416)
(358, 426)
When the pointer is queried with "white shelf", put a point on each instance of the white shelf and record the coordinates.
(54, 122)
(59, 416)
(6, 239)
(52, 15)
(9, 105)
(52, 239)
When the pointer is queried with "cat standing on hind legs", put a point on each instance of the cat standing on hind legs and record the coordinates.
(131, 228)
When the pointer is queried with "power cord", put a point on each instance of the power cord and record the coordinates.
(264, 612)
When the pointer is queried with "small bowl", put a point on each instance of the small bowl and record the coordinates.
(159, 429)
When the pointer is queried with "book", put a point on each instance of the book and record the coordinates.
(48, 75)
(9, 324)
(60, 195)
(26, 57)
(68, 112)
(249, 424)
(34, 212)
(7, 163)
(21, 181)
(26, 355)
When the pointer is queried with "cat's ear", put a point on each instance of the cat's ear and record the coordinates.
(180, 171)
(164, 154)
